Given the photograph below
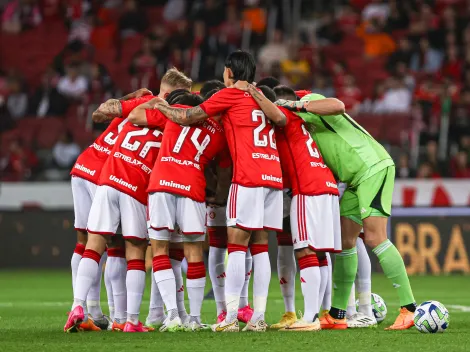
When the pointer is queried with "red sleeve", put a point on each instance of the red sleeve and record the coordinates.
(287, 113)
(224, 159)
(155, 119)
(218, 103)
(131, 104)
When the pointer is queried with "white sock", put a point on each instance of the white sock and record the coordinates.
(261, 279)
(75, 262)
(93, 298)
(156, 311)
(310, 279)
(216, 268)
(109, 291)
(176, 266)
(327, 275)
(248, 266)
(116, 270)
(86, 274)
(351, 308)
(286, 271)
(165, 279)
(363, 280)
(234, 280)
(195, 283)
(135, 284)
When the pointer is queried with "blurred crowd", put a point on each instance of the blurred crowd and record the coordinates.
(400, 57)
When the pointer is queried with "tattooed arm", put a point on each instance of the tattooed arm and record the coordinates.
(271, 111)
(183, 116)
(111, 108)
(99, 117)
(138, 116)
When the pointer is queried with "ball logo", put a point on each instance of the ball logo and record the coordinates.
(247, 95)
(212, 215)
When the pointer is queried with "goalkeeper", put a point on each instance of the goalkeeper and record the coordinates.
(360, 161)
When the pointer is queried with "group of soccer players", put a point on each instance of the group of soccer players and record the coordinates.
(237, 162)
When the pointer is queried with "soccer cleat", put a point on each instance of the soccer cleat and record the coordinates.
(244, 314)
(104, 323)
(221, 316)
(89, 325)
(287, 319)
(223, 326)
(75, 318)
(259, 326)
(302, 325)
(360, 320)
(156, 324)
(329, 323)
(118, 327)
(404, 320)
(129, 327)
(172, 325)
(324, 313)
(195, 326)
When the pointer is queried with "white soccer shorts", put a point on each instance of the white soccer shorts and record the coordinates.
(255, 208)
(167, 211)
(216, 216)
(111, 207)
(315, 223)
(83, 192)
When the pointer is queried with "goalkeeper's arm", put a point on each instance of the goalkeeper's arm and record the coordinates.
(323, 107)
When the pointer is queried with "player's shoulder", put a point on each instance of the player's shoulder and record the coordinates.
(312, 96)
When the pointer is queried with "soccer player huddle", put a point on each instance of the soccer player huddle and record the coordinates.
(238, 163)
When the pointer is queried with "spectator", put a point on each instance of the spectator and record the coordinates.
(46, 100)
(403, 167)
(275, 50)
(329, 32)
(294, 68)
(397, 97)
(81, 29)
(133, 20)
(403, 73)
(402, 54)
(397, 18)
(460, 166)
(101, 85)
(182, 38)
(158, 39)
(350, 94)
(231, 28)
(376, 41)
(20, 15)
(174, 10)
(73, 85)
(431, 158)
(452, 64)
(322, 85)
(65, 151)
(20, 162)
(212, 13)
(348, 19)
(143, 66)
(426, 59)
(17, 100)
(374, 103)
(425, 171)
(376, 9)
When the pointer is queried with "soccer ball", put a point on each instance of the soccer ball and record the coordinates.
(431, 317)
(379, 308)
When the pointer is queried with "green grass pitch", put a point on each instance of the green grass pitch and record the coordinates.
(33, 306)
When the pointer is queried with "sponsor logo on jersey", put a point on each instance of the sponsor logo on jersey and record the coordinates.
(101, 148)
(85, 169)
(132, 161)
(174, 185)
(265, 156)
(170, 159)
(271, 178)
(332, 185)
(122, 182)
(315, 164)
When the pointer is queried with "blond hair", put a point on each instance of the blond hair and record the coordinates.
(177, 79)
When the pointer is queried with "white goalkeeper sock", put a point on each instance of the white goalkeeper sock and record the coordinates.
(246, 285)
(217, 275)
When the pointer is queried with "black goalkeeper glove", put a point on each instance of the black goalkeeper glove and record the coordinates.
(293, 105)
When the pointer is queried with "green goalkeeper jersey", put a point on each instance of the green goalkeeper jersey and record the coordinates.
(348, 149)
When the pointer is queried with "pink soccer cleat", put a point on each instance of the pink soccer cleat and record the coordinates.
(76, 317)
(221, 317)
(129, 327)
(245, 314)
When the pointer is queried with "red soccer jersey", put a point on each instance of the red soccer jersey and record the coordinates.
(132, 157)
(185, 152)
(90, 162)
(301, 159)
(250, 138)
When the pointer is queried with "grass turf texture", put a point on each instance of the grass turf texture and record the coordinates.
(33, 306)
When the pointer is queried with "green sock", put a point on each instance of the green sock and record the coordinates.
(394, 269)
(344, 273)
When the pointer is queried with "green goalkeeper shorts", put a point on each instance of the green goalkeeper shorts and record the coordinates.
(372, 197)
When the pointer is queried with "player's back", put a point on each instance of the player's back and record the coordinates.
(301, 160)
(250, 137)
(131, 161)
(185, 152)
(90, 162)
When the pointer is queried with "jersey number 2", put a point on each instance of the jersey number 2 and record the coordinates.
(312, 151)
(126, 144)
(259, 140)
(200, 147)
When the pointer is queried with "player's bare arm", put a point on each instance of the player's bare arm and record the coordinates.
(270, 109)
(138, 116)
(137, 94)
(183, 116)
(111, 108)
(323, 107)
(99, 117)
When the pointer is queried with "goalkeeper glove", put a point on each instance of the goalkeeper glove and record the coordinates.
(293, 105)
